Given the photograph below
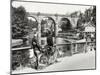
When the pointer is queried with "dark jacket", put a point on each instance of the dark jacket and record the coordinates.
(49, 40)
(35, 43)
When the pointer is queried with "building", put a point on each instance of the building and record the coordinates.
(69, 43)
(90, 35)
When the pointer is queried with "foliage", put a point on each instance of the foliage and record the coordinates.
(21, 26)
(47, 24)
(65, 24)
(20, 58)
(80, 22)
(88, 16)
(33, 24)
(94, 15)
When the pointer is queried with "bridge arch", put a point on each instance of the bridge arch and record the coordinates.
(47, 23)
(33, 21)
(64, 24)
(32, 18)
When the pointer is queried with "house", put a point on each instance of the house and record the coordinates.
(90, 32)
(89, 27)
(90, 35)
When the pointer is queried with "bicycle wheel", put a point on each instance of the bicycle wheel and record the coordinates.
(43, 59)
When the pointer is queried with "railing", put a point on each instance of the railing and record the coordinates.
(29, 47)
(21, 48)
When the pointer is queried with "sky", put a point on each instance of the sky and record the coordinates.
(49, 8)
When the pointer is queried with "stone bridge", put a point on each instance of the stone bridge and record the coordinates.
(56, 17)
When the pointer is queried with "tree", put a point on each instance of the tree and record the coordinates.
(80, 22)
(20, 28)
(33, 24)
(88, 15)
(94, 15)
(19, 23)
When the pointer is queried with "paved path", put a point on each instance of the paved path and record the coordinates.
(75, 62)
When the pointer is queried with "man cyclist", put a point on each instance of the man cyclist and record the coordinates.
(35, 45)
